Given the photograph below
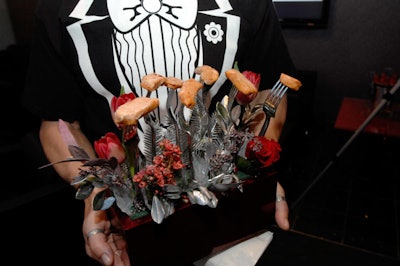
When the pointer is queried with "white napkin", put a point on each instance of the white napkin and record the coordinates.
(246, 253)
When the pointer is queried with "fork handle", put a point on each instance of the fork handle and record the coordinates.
(265, 125)
(269, 112)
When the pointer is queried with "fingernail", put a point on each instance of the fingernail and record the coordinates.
(106, 259)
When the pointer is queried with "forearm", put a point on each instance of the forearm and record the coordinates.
(56, 149)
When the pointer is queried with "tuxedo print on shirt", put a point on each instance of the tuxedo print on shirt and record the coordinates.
(167, 37)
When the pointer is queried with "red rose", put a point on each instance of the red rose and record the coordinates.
(255, 78)
(118, 101)
(266, 151)
(129, 131)
(110, 146)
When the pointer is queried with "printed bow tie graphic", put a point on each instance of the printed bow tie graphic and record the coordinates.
(131, 14)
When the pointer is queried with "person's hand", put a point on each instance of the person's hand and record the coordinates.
(104, 238)
(281, 209)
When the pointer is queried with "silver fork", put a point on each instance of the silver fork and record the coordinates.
(274, 97)
(231, 97)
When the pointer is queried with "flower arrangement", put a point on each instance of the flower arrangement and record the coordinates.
(185, 161)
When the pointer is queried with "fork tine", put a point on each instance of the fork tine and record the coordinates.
(278, 96)
(231, 96)
(274, 97)
(271, 102)
(275, 94)
(276, 85)
(272, 91)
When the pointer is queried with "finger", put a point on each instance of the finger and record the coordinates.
(121, 258)
(118, 245)
(98, 248)
(282, 214)
(281, 209)
(117, 240)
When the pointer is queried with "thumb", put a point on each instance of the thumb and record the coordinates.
(106, 259)
(99, 249)
(282, 214)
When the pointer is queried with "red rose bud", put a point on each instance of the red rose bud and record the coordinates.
(244, 99)
(265, 151)
(118, 101)
(255, 78)
(110, 146)
(130, 131)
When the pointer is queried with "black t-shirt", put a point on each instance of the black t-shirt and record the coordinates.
(82, 55)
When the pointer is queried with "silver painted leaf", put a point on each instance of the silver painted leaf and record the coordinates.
(78, 152)
(231, 96)
(224, 187)
(124, 198)
(168, 208)
(98, 200)
(212, 200)
(78, 180)
(108, 202)
(221, 123)
(157, 210)
(84, 191)
(235, 114)
(199, 198)
(221, 110)
(201, 169)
